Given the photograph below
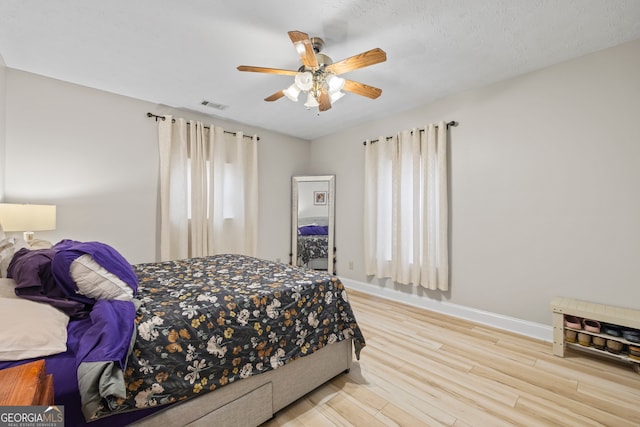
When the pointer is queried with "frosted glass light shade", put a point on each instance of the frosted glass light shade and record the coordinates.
(335, 96)
(334, 83)
(311, 101)
(292, 92)
(304, 80)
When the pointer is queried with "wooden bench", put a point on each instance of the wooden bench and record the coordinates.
(618, 316)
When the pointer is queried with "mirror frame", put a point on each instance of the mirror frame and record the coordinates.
(331, 180)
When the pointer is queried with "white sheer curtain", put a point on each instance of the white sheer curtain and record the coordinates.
(406, 208)
(208, 190)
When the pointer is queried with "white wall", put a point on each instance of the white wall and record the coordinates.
(545, 177)
(94, 154)
(307, 207)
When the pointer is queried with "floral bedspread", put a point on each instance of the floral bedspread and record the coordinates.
(312, 247)
(206, 322)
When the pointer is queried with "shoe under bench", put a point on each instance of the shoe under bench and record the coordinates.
(617, 316)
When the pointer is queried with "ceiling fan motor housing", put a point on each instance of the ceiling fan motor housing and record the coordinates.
(317, 43)
(323, 60)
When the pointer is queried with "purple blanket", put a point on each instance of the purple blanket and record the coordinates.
(313, 230)
(67, 251)
(44, 276)
(32, 272)
(107, 337)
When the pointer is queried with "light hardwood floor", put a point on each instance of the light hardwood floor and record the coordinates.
(421, 368)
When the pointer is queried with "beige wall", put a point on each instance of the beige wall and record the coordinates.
(545, 177)
(94, 155)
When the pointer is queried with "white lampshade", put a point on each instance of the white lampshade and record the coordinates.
(304, 80)
(334, 83)
(335, 96)
(311, 101)
(27, 218)
(292, 92)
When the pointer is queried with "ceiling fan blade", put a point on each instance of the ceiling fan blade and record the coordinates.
(361, 89)
(279, 94)
(266, 70)
(364, 59)
(324, 101)
(305, 49)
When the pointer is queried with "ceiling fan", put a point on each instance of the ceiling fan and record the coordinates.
(318, 75)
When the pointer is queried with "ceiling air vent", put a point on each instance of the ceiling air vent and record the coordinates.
(210, 104)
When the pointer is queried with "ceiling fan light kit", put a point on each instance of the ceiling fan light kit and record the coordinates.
(315, 84)
(312, 101)
(304, 80)
(292, 92)
(335, 96)
(319, 75)
(334, 83)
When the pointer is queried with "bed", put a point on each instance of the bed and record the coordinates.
(313, 246)
(224, 340)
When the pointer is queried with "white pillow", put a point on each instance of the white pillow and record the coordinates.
(95, 281)
(31, 329)
(8, 288)
(8, 247)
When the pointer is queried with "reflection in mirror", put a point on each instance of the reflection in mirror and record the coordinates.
(312, 220)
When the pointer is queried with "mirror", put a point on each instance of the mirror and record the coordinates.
(312, 222)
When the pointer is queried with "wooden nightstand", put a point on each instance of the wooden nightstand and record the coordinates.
(26, 385)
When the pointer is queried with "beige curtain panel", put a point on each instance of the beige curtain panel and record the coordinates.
(208, 190)
(406, 208)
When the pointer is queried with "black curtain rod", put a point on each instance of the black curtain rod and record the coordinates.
(155, 116)
(452, 123)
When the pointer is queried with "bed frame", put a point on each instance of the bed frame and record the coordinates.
(255, 400)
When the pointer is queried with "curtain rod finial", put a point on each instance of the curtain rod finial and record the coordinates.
(155, 116)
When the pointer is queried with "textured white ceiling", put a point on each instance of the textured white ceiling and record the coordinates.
(180, 53)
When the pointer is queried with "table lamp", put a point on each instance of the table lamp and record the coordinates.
(27, 218)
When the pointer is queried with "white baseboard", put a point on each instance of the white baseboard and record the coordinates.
(511, 324)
